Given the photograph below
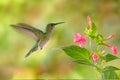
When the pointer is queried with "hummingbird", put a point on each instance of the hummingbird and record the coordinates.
(40, 37)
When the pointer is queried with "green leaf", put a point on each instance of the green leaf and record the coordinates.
(91, 32)
(76, 52)
(83, 61)
(94, 30)
(109, 73)
(110, 57)
(99, 39)
(110, 68)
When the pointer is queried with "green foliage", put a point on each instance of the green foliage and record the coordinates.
(93, 58)
(110, 57)
(81, 55)
(84, 61)
(99, 39)
(110, 68)
(77, 52)
(109, 73)
(92, 32)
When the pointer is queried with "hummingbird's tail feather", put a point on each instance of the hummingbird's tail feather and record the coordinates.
(34, 48)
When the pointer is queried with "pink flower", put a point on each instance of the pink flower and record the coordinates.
(81, 40)
(95, 57)
(114, 50)
(89, 22)
(109, 37)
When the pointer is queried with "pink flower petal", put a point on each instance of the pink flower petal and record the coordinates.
(107, 45)
(109, 37)
(95, 57)
(79, 39)
(114, 50)
(89, 22)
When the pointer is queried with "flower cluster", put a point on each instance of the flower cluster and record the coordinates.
(81, 40)
(95, 56)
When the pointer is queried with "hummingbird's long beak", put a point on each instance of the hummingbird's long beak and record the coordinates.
(58, 23)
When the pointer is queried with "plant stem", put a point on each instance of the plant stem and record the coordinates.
(90, 44)
(99, 70)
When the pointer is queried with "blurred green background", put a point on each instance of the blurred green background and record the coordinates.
(52, 62)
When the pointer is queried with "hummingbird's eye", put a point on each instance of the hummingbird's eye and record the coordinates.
(49, 25)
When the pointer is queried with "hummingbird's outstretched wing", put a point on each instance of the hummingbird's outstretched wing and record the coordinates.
(34, 48)
(29, 30)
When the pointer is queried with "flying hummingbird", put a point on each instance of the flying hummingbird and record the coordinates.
(40, 37)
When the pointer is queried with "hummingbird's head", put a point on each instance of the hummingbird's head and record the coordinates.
(51, 26)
